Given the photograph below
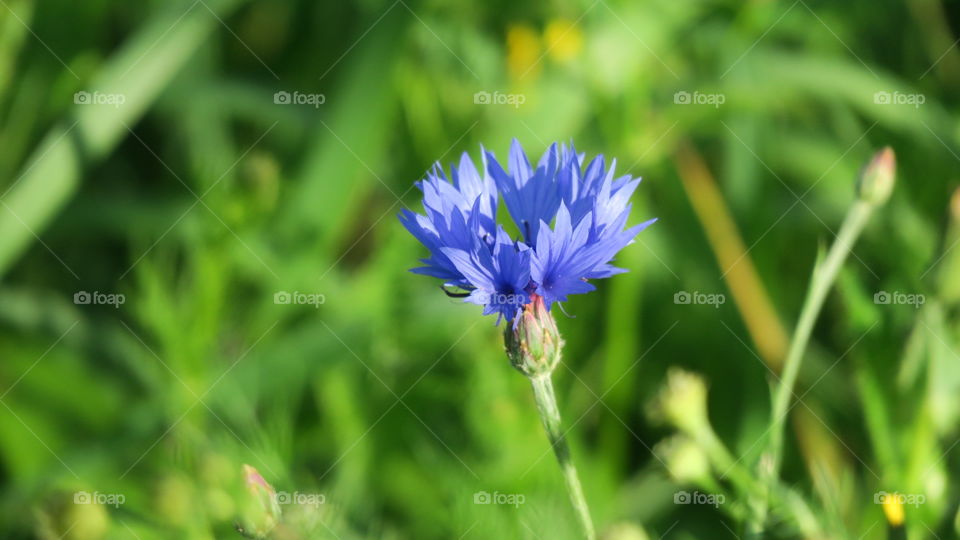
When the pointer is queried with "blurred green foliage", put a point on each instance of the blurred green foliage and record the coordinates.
(199, 198)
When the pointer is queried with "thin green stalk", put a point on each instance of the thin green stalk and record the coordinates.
(723, 461)
(823, 278)
(824, 274)
(874, 187)
(550, 415)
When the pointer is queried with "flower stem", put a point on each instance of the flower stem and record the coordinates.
(823, 278)
(824, 275)
(550, 415)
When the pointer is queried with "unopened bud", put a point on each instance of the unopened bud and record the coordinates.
(261, 511)
(685, 460)
(876, 180)
(255, 482)
(534, 343)
(683, 402)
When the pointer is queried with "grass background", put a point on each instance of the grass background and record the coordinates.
(199, 198)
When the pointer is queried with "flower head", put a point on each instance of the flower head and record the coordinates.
(571, 220)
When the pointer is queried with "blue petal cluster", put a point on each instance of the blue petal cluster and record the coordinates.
(587, 207)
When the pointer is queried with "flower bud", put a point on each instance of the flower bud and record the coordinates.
(685, 460)
(876, 179)
(683, 402)
(260, 511)
(534, 343)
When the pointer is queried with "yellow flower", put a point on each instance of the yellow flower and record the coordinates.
(893, 509)
(563, 39)
(523, 52)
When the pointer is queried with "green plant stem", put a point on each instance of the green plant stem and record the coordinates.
(550, 415)
(824, 275)
(794, 507)
(723, 461)
(823, 278)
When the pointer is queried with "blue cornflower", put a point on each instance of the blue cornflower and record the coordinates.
(457, 214)
(571, 218)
